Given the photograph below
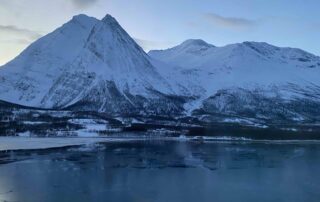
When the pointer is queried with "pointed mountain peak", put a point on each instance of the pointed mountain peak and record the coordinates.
(109, 22)
(82, 18)
(108, 31)
(193, 46)
(109, 40)
(109, 19)
(196, 42)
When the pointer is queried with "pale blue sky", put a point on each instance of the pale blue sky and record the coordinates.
(164, 23)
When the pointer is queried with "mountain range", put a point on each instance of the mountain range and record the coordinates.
(94, 65)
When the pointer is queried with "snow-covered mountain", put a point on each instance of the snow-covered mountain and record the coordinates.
(241, 64)
(26, 79)
(249, 79)
(88, 64)
(94, 65)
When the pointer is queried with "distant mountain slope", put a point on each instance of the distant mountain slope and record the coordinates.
(247, 79)
(196, 53)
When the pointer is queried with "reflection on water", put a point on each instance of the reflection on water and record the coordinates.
(163, 171)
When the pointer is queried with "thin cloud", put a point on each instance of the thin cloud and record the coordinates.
(229, 22)
(23, 34)
(83, 3)
(145, 44)
(148, 45)
(16, 41)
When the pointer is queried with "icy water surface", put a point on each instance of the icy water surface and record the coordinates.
(154, 171)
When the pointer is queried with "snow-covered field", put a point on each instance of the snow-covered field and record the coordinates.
(25, 143)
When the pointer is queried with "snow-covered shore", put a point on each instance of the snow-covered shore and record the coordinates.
(25, 143)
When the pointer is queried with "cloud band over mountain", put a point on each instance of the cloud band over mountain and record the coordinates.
(229, 22)
(83, 3)
(26, 34)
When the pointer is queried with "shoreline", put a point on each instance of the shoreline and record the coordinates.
(40, 143)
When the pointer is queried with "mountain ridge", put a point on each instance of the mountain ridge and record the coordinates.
(94, 65)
